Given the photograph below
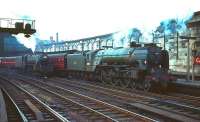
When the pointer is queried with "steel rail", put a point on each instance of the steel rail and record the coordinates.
(128, 95)
(86, 97)
(56, 115)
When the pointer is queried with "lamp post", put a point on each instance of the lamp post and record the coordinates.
(164, 40)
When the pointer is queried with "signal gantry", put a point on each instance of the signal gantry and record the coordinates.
(16, 26)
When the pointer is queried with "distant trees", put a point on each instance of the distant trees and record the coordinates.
(167, 28)
(171, 26)
(170, 29)
(134, 34)
(161, 28)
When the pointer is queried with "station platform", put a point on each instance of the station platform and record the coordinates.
(189, 83)
(186, 86)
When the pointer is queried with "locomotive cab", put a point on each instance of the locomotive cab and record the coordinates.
(158, 66)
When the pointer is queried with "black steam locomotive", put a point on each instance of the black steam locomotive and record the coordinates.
(144, 67)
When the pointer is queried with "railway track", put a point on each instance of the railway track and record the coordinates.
(169, 109)
(22, 106)
(170, 104)
(191, 100)
(184, 99)
(84, 106)
(9, 111)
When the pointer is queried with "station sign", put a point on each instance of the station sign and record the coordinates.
(197, 60)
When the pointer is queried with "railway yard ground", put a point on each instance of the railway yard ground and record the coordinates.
(28, 97)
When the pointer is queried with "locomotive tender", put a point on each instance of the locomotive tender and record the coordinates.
(144, 67)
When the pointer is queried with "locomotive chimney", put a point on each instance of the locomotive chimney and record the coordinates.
(133, 44)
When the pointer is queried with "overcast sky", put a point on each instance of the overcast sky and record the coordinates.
(75, 19)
